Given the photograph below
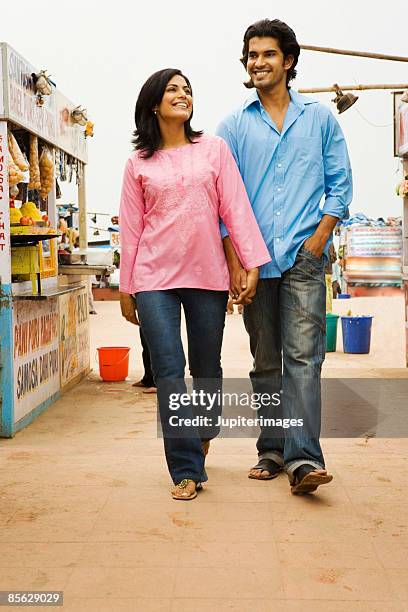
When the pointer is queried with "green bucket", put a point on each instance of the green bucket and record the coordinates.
(331, 332)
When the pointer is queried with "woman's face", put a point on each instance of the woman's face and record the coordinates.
(177, 101)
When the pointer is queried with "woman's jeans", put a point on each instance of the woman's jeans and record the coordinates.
(160, 317)
(287, 323)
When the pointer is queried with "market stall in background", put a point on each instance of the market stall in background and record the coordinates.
(371, 256)
(401, 150)
(44, 307)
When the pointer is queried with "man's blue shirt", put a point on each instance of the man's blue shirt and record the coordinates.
(287, 174)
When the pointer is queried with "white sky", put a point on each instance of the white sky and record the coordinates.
(99, 56)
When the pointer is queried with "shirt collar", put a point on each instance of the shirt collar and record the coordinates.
(298, 99)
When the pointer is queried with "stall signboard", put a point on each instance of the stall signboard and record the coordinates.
(74, 334)
(70, 137)
(18, 103)
(35, 353)
(5, 254)
(22, 101)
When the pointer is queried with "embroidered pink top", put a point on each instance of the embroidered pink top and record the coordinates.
(169, 219)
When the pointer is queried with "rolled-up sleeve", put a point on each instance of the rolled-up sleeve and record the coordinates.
(337, 170)
(131, 215)
(236, 213)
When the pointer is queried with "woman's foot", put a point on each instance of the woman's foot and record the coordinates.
(186, 490)
(206, 447)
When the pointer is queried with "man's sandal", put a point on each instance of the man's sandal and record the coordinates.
(182, 487)
(310, 481)
(206, 447)
(267, 465)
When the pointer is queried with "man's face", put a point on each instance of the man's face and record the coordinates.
(266, 65)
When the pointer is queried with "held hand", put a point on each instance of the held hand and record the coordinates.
(128, 308)
(246, 296)
(315, 244)
(238, 281)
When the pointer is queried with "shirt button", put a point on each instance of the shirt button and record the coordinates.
(279, 189)
(278, 240)
(278, 213)
(279, 165)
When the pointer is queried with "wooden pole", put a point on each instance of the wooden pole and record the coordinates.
(381, 56)
(352, 88)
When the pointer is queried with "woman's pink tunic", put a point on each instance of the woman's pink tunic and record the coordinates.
(169, 219)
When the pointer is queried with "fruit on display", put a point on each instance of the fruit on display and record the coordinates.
(25, 221)
(35, 180)
(15, 215)
(15, 175)
(46, 172)
(30, 210)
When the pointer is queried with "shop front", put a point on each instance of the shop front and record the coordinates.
(44, 321)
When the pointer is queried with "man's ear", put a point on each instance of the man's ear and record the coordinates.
(288, 63)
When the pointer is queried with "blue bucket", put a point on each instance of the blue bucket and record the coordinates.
(343, 296)
(356, 333)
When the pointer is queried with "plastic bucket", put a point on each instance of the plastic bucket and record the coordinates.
(331, 332)
(343, 296)
(356, 333)
(113, 362)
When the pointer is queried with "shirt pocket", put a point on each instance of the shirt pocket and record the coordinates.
(306, 156)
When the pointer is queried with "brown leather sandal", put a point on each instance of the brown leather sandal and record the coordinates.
(182, 486)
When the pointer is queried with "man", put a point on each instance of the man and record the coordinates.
(291, 152)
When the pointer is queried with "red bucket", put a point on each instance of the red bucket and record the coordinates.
(113, 362)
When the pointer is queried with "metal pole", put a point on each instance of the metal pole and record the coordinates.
(83, 225)
(382, 56)
(352, 88)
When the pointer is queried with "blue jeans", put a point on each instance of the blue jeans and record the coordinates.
(160, 317)
(286, 324)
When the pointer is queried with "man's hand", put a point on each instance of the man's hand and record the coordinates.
(128, 308)
(317, 241)
(246, 296)
(315, 244)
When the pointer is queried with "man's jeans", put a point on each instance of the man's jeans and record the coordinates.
(286, 322)
(160, 317)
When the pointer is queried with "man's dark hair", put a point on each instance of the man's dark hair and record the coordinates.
(285, 37)
(146, 136)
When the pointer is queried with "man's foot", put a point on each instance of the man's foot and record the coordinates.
(266, 469)
(308, 478)
(186, 490)
(149, 390)
(139, 383)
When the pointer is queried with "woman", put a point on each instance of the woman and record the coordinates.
(176, 186)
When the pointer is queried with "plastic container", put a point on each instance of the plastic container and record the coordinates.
(113, 362)
(343, 296)
(331, 332)
(356, 333)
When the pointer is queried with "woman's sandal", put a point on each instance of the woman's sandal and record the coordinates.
(206, 447)
(182, 486)
(267, 465)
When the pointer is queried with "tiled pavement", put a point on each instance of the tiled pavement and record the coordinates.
(85, 508)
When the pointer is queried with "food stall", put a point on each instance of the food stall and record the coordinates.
(401, 150)
(44, 321)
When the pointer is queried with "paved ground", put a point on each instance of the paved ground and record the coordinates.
(85, 508)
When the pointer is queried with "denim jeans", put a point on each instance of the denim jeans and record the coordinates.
(287, 328)
(160, 317)
(147, 379)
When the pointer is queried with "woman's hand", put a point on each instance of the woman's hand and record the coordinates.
(238, 281)
(246, 296)
(128, 308)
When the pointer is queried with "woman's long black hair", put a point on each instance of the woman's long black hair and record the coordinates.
(146, 136)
